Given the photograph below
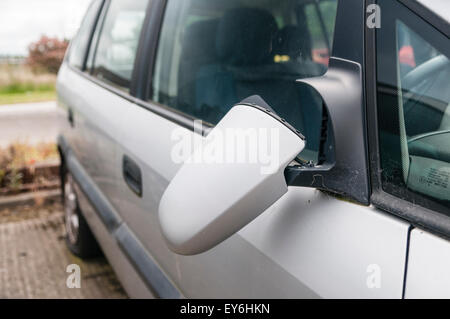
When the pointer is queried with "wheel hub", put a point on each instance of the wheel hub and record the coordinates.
(70, 208)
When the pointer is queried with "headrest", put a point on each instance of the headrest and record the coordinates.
(244, 36)
(294, 42)
(199, 40)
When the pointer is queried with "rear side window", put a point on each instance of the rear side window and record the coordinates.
(413, 96)
(213, 54)
(79, 45)
(118, 42)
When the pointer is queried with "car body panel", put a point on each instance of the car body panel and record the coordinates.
(340, 238)
(123, 268)
(428, 274)
(94, 114)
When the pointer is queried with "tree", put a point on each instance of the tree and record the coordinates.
(47, 54)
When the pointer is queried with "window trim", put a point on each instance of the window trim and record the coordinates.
(96, 35)
(91, 35)
(427, 15)
(147, 50)
(132, 83)
(419, 216)
(159, 109)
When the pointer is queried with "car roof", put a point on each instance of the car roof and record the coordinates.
(439, 7)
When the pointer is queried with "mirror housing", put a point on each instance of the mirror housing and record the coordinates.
(214, 194)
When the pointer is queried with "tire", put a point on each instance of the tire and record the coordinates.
(79, 238)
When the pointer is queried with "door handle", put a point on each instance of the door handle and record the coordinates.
(70, 117)
(132, 175)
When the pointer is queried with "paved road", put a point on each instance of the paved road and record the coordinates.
(33, 254)
(31, 123)
(34, 260)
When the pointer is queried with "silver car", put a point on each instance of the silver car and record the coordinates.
(261, 149)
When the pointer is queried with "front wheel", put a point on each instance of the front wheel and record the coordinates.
(79, 238)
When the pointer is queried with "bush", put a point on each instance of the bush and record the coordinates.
(19, 158)
(47, 54)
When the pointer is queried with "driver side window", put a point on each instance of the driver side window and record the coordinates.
(413, 102)
(213, 54)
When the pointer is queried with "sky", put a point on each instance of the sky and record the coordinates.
(24, 21)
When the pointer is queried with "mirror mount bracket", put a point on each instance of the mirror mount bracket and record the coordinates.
(344, 169)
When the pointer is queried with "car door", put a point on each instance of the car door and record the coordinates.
(413, 105)
(69, 99)
(94, 88)
(89, 106)
(101, 89)
(209, 55)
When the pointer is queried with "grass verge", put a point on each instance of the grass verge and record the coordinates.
(19, 84)
(27, 97)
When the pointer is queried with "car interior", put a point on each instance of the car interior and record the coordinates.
(425, 124)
